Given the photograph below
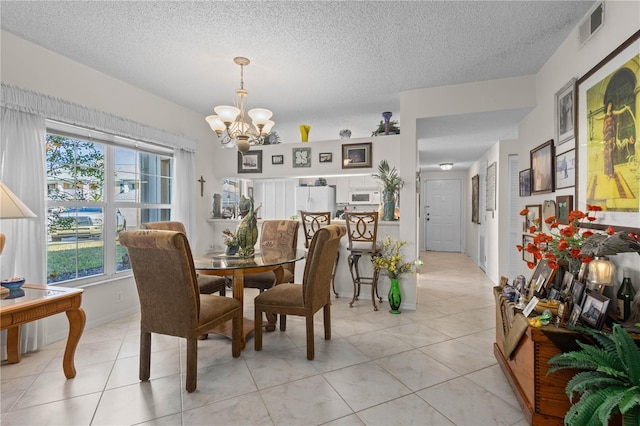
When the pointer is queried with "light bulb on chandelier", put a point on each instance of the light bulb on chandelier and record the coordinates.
(230, 124)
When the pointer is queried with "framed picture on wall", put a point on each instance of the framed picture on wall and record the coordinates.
(301, 157)
(565, 101)
(533, 217)
(475, 199)
(566, 169)
(325, 157)
(356, 155)
(608, 110)
(525, 182)
(542, 171)
(564, 204)
(277, 159)
(526, 256)
(250, 162)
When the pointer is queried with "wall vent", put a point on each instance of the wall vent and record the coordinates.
(592, 23)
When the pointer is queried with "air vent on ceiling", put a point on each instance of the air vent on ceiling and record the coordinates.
(592, 23)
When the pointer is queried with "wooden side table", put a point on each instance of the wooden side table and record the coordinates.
(39, 302)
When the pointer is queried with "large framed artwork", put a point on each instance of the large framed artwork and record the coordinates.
(542, 170)
(475, 199)
(566, 169)
(356, 155)
(565, 101)
(607, 127)
(250, 162)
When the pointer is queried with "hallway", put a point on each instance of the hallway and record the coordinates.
(432, 366)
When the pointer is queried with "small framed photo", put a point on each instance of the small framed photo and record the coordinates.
(534, 217)
(564, 204)
(577, 290)
(565, 288)
(250, 162)
(250, 191)
(566, 169)
(575, 315)
(277, 159)
(565, 102)
(525, 183)
(301, 157)
(356, 155)
(542, 171)
(594, 309)
(325, 157)
(542, 270)
(526, 256)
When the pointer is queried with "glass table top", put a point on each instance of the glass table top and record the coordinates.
(265, 257)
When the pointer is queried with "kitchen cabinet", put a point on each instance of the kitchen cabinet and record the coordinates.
(342, 190)
(362, 182)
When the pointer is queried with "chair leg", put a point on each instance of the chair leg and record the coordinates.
(353, 265)
(283, 322)
(333, 275)
(310, 337)
(374, 291)
(223, 291)
(236, 336)
(145, 355)
(257, 333)
(192, 364)
(326, 310)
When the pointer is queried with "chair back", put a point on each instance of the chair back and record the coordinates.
(311, 222)
(362, 230)
(318, 270)
(165, 226)
(166, 280)
(280, 234)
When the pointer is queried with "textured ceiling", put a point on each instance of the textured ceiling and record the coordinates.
(333, 65)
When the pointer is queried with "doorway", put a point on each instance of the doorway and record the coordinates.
(442, 215)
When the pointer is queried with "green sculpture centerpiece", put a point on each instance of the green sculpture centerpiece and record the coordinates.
(247, 232)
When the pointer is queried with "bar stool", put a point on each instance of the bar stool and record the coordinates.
(362, 230)
(311, 222)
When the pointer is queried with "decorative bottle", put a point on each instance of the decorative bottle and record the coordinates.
(626, 293)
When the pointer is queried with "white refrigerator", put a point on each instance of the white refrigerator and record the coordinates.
(316, 199)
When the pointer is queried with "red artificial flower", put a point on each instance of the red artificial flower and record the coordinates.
(524, 212)
(519, 247)
(563, 245)
(610, 230)
(532, 229)
(531, 265)
(550, 219)
(568, 231)
(594, 208)
(586, 259)
(634, 236)
(575, 215)
(552, 264)
(575, 253)
(591, 218)
(587, 234)
(554, 225)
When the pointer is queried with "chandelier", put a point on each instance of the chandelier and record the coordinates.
(230, 124)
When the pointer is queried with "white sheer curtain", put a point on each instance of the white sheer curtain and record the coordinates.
(22, 169)
(182, 202)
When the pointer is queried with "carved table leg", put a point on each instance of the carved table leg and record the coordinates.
(13, 345)
(77, 320)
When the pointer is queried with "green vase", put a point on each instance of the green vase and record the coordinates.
(394, 296)
(389, 205)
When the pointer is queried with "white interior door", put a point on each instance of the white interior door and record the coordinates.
(443, 217)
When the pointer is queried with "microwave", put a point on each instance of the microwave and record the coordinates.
(364, 197)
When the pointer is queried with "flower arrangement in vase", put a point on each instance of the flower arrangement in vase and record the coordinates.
(231, 241)
(389, 261)
(391, 183)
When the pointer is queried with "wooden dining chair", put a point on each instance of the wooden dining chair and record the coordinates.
(311, 222)
(170, 302)
(207, 284)
(362, 231)
(306, 299)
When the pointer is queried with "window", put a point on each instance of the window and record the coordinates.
(96, 188)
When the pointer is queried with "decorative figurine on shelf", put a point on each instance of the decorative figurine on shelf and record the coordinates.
(387, 127)
(345, 134)
(216, 213)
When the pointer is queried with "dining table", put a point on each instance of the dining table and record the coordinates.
(237, 267)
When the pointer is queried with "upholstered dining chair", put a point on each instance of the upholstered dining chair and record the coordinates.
(311, 222)
(362, 231)
(207, 284)
(170, 302)
(275, 234)
(306, 299)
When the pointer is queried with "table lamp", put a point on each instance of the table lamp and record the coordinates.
(11, 208)
(601, 272)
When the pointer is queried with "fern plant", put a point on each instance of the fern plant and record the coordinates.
(610, 382)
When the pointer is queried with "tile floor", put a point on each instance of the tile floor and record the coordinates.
(432, 366)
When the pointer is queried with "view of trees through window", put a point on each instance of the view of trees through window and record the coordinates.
(95, 191)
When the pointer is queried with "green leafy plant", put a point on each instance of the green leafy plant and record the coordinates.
(610, 382)
(389, 178)
(394, 128)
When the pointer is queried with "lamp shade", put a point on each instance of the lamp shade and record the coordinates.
(215, 123)
(601, 271)
(446, 166)
(10, 205)
(227, 113)
(260, 115)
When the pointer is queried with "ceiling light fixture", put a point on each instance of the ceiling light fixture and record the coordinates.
(229, 122)
(446, 166)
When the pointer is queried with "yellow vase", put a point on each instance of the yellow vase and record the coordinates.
(304, 132)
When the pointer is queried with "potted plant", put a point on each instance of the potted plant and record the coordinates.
(394, 128)
(389, 261)
(391, 183)
(609, 382)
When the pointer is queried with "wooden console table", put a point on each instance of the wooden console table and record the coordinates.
(39, 302)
